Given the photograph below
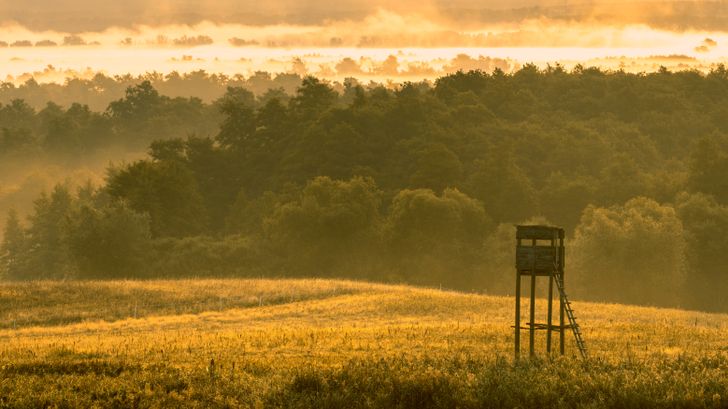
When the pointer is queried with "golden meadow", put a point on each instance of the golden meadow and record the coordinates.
(327, 343)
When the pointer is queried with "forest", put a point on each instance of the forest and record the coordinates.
(419, 183)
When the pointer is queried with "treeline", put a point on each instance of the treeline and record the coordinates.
(82, 116)
(131, 122)
(419, 184)
(98, 90)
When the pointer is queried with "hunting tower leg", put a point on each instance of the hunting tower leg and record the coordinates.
(549, 321)
(518, 314)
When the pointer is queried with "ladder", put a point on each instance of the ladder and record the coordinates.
(570, 314)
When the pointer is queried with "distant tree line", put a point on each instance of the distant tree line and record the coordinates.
(419, 184)
(98, 90)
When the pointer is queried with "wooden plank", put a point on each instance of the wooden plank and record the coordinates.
(536, 258)
(543, 327)
(537, 273)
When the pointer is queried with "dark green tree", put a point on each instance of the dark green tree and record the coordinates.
(705, 222)
(312, 99)
(238, 128)
(47, 235)
(330, 228)
(112, 242)
(708, 167)
(437, 167)
(634, 253)
(167, 191)
(13, 251)
(435, 239)
(503, 187)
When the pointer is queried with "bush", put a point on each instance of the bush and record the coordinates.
(434, 239)
(204, 256)
(633, 253)
(111, 242)
(332, 227)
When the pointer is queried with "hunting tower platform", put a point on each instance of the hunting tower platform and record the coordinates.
(540, 252)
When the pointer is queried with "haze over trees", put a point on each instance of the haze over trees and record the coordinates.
(99, 90)
(419, 184)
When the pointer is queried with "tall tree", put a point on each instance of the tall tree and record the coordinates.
(13, 249)
(331, 227)
(632, 253)
(167, 191)
(436, 239)
(112, 242)
(48, 254)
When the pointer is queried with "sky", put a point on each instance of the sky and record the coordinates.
(406, 39)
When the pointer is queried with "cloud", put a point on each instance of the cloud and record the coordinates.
(464, 62)
(366, 41)
(79, 16)
(22, 43)
(388, 68)
(192, 41)
(73, 40)
(298, 66)
(45, 43)
(672, 57)
(419, 70)
(183, 41)
(702, 49)
(186, 58)
(241, 42)
(51, 74)
(392, 67)
(348, 66)
(706, 46)
(384, 28)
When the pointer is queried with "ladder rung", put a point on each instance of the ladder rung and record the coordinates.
(564, 298)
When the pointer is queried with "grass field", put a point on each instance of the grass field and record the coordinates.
(318, 343)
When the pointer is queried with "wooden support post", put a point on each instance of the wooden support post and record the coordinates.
(532, 333)
(532, 315)
(550, 313)
(561, 300)
(561, 327)
(549, 319)
(518, 314)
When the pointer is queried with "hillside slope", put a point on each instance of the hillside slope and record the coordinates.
(278, 342)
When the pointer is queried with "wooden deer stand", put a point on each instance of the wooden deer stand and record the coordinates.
(540, 252)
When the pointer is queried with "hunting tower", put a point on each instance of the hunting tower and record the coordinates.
(540, 253)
